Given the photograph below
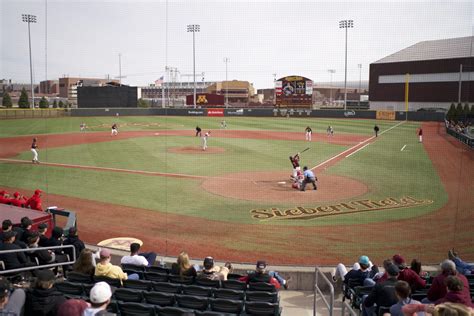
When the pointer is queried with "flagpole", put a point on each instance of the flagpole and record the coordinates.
(407, 81)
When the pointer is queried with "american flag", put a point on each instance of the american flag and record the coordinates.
(159, 82)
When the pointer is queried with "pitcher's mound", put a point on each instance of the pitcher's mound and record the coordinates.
(269, 187)
(196, 150)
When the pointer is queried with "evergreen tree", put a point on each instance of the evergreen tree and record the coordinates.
(23, 102)
(466, 112)
(55, 104)
(142, 103)
(61, 104)
(451, 112)
(43, 103)
(7, 100)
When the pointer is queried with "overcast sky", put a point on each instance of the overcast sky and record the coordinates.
(261, 38)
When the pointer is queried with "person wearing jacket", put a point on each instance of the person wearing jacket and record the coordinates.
(455, 295)
(105, 268)
(73, 239)
(34, 202)
(383, 294)
(43, 299)
(438, 288)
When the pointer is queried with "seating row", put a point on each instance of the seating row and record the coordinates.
(171, 285)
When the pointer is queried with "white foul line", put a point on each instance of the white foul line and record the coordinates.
(403, 147)
(357, 150)
(345, 151)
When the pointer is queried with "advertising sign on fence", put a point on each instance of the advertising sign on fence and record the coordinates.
(215, 112)
(385, 115)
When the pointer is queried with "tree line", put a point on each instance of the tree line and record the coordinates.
(24, 101)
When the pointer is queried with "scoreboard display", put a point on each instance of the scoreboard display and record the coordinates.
(294, 91)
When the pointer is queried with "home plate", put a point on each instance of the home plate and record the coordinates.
(157, 134)
(282, 182)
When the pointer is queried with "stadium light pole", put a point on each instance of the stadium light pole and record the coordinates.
(29, 18)
(194, 28)
(345, 24)
(331, 71)
(360, 80)
(226, 60)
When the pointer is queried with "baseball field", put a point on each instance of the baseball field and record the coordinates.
(376, 195)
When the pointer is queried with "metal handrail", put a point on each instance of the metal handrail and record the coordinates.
(349, 308)
(329, 305)
(50, 265)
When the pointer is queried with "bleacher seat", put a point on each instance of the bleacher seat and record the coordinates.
(207, 282)
(229, 294)
(262, 286)
(211, 313)
(110, 281)
(128, 295)
(226, 306)
(78, 277)
(138, 284)
(262, 309)
(126, 266)
(157, 269)
(181, 279)
(159, 298)
(197, 290)
(155, 276)
(192, 302)
(167, 287)
(71, 288)
(136, 309)
(234, 285)
(173, 311)
(261, 296)
(234, 276)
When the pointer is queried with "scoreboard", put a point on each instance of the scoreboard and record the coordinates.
(294, 91)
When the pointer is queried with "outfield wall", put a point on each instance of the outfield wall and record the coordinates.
(412, 116)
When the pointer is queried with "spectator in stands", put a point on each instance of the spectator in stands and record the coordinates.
(16, 259)
(25, 227)
(84, 263)
(183, 267)
(408, 275)
(43, 299)
(42, 230)
(56, 239)
(402, 290)
(105, 268)
(17, 200)
(363, 271)
(383, 294)
(438, 288)
(213, 272)
(7, 226)
(261, 275)
(455, 292)
(4, 197)
(73, 307)
(139, 259)
(34, 202)
(462, 266)
(43, 256)
(383, 276)
(11, 302)
(73, 239)
(100, 298)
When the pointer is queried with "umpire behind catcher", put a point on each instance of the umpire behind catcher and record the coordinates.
(309, 177)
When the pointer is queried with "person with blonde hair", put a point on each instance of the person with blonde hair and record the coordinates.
(183, 266)
(85, 263)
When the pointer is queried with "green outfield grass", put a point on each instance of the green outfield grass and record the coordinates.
(388, 171)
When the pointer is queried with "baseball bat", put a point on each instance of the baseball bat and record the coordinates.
(305, 150)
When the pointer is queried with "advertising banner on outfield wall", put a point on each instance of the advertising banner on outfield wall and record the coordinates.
(385, 115)
(215, 112)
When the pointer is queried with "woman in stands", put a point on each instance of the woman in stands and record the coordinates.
(84, 263)
(183, 267)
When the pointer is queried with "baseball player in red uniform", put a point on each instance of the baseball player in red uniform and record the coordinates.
(295, 162)
(34, 202)
(3, 197)
(18, 200)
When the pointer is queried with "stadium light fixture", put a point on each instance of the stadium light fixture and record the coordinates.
(345, 24)
(331, 71)
(194, 28)
(226, 60)
(29, 18)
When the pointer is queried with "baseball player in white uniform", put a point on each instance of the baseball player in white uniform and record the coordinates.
(114, 130)
(34, 146)
(204, 140)
(308, 134)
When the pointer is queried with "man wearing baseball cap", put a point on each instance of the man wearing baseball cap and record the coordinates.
(34, 202)
(16, 259)
(407, 274)
(100, 298)
(3, 197)
(18, 200)
(213, 272)
(361, 272)
(11, 302)
(262, 275)
(383, 294)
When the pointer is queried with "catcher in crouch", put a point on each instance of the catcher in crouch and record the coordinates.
(295, 162)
